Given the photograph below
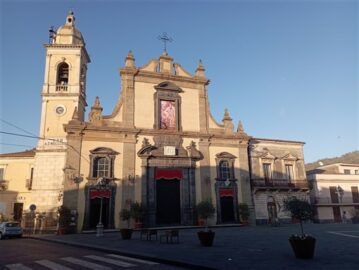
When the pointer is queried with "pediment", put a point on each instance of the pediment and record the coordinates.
(225, 155)
(268, 155)
(289, 156)
(168, 86)
(103, 150)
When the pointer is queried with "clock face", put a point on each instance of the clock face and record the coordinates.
(60, 109)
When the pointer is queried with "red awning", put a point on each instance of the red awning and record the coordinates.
(226, 192)
(168, 174)
(100, 193)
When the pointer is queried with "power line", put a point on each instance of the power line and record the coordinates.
(15, 126)
(12, 144)
(21, 135)
(49, 139)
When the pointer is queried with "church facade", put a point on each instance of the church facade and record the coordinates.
(160, 147)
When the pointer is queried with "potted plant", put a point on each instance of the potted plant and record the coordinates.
(64, 214)
(125, 215)
(303, 245)
(204, 211)
(244, 213)
(137, 211)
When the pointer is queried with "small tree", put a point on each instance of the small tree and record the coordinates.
(205, 210)
(299, 209)
(125, 215)
(244, 212)
(137, 211)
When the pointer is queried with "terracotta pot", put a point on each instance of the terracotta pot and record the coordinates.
(206, 238)
(138, 225)
(62, 231)
(303, 247)
(126, 234)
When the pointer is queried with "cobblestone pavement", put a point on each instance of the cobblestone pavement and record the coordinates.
(257, 247)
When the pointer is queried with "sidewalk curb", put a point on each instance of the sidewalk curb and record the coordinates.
(133, 255)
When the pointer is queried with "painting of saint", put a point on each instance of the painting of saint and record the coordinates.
(168, 114)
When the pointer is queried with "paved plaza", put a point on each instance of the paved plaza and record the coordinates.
(259, 247)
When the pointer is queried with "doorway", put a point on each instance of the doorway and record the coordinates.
(95, 206)
(336, 214)
(18, 207)
(227, 209)
(168, 201)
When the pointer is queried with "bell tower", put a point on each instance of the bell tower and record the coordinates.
(64, 87)
(63, 95)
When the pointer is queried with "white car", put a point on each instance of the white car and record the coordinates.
(10, 229)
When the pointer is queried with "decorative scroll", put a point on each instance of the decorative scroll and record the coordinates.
(168, 114)
(100, 193)
(226, 192)
(168, 174)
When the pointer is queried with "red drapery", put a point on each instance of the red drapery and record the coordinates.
(100, 193)
(168, 174)
(226, 192)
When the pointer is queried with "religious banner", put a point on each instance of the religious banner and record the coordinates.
(100, 193)
(168, 114)
(226, 192)
(168, 174)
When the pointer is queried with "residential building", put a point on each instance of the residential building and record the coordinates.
(334, 191)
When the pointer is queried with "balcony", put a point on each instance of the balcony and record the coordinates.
(327, 201)
(61, 88)
(4, 185)
(279, 184)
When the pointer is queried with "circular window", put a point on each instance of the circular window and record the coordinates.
(60, 109)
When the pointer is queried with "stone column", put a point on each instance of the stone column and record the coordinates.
(205, 170)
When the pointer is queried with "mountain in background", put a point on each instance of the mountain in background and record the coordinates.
(351, 157)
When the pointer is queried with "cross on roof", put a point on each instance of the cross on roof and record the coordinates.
(165, 38)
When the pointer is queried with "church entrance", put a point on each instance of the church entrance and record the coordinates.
(168, 201)
(227, 210)
(95, 206)
(99, 205)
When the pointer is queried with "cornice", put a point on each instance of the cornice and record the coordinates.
(141, 75)
(89, 130)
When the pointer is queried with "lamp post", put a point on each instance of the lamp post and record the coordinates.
(101, 185)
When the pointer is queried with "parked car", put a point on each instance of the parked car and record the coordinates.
(10, 229)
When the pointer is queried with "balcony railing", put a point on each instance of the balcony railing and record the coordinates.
(328, 200)
(61, 88)
(279, 183)
(4, 185)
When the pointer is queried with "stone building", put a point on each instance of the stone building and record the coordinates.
(160, 146)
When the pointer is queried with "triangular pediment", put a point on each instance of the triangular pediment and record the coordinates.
(289, 156)
(268, 155)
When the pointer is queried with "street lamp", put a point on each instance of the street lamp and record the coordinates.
(101, 184)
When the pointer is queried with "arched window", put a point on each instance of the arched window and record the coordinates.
(63, 74)
(224, 170)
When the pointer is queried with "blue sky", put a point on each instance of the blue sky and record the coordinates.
(286, 69)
